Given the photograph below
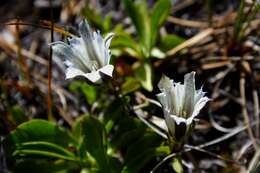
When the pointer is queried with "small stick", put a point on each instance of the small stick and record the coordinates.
(256, 110)
(49, 101)
(244, 109)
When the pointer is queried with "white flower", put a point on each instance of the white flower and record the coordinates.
(87, 55)
(181, 103)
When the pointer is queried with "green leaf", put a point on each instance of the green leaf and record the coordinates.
(138, 12)
(128, 137)
(18, 115)
(177, 165)
(170, 41)
(107, 23)
(89, 92)
(144, 75)
(93, 18)
(124, 41)
(131, 84)
(95, 142)
(159, 14)
(141, 152)
(45, 166)
(38, 130)
(41, 148)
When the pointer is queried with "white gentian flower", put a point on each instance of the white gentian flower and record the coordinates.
(87, 55)
(181, 104)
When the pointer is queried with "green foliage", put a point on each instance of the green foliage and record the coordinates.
(86, 147)
(144, 75)
(243, 18)
(45, 166)
(39, 139)
(169, 41)
(40, 130)
(147, 23)
(141, 152)
(177, 165)
(96, 20)
(131, 84)
(18, 116)
(94, 141)
(89, 92)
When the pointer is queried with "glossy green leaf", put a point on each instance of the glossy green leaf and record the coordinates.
(95, 142)
(93, 18)
(144, 75)
(170, 41)
(45, 166)
(38, 130)
(124, 41)
(177, 165)
(41, 148)
(112, 115)
(131, 84)
(141, 152)
(89, 92)
(138, 12)
(18, 115)
(159, 14)
(128, 130)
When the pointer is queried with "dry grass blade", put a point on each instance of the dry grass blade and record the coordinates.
(12, 48)
(244, 109)
(192, 41)
(44, 25)
(256, 110)
(188, 23)
(215, 65)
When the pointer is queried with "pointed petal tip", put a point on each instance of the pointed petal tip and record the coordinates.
(84, 29)
(179, 120)
(107, 70)
(94, 77)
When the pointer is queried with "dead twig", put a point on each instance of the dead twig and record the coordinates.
(244, 109)
(49, 99)
(256, 110)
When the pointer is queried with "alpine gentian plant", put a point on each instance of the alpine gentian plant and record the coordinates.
(181, 104)
(87, 55)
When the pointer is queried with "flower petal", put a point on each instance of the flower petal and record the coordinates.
(94, 77)
(162, 99)
(165, 83)
(199, 105)
(72, 72)
(170, 101)
(188, 99)
(170, 123)
(179, 120)
(91, 42)
(107, 42)
(107, 70)
(64, 51)
(77, 44)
